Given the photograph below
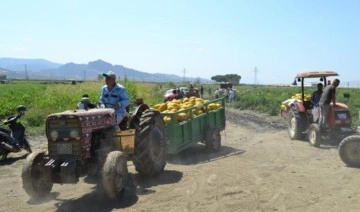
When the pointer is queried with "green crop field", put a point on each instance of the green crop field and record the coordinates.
(43, 98)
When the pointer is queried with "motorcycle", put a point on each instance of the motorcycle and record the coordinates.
(13, 140)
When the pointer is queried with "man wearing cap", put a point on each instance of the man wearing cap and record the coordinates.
(114, 95)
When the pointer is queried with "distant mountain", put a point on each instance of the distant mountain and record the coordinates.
(43, 69)
(15, 64)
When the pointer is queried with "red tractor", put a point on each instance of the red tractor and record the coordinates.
(303, 120)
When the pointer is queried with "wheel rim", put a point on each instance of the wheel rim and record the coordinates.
(312, 137)
(292, 126)
(119, 179)
(353, 151)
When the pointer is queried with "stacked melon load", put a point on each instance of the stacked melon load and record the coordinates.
(185, 108)
(297, 97)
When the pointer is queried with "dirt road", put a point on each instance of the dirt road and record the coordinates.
(258, 169)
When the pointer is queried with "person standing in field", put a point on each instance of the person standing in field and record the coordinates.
(201, 92)
(114, 95)
(326, 98)
(217, 93)
(231, 95)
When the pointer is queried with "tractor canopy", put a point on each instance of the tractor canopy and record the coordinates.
(315, 74)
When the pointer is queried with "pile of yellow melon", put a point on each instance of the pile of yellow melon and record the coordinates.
(184, 108)
(307, 97)
(285, 105)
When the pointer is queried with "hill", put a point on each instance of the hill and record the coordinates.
(42, 69)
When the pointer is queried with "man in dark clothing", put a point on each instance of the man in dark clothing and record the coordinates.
(327, 97)
(201, 92)
(315, 97)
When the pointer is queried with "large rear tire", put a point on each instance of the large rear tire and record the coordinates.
(150, 144)
(115, 174)
(349, 150)
(213, 140)
(314, 135)
(296, 125)
(35, 179)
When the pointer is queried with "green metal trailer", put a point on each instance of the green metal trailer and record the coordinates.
(204, 128)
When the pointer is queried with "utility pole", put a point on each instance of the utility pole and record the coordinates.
(184, 71)
(26, 73)
(255, 71)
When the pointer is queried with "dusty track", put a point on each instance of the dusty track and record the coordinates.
(258, 169)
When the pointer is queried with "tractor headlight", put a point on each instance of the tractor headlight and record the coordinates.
(54, 134)
(74, 133)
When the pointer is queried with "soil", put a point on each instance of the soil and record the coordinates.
(257, 169)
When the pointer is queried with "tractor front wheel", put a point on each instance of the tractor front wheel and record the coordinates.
(349, 150)
(314, 135)
(35, 179)
(115, 174)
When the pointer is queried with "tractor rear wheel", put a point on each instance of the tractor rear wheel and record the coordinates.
(115, 174)
(296, 124)
(150, 144)
(349, 150)
(314, 135)
(35, 179)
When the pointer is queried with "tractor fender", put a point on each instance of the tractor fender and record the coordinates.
(301, 107)
(298, 106)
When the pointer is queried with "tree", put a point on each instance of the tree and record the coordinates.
(230, 78)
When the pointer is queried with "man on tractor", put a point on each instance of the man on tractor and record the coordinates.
(315, 97)
(114, 95)
(327, 97)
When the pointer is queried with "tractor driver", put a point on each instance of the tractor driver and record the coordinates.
(315, 97)
(326, 98)
(114, 95)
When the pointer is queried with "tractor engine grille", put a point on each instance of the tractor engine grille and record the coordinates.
(64, 137)
(58, 149)
(342, 118)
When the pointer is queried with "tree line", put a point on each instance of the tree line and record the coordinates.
(230, 78)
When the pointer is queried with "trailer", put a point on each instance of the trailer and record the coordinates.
(204, 128)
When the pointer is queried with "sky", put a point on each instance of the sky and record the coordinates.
(263, 41)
